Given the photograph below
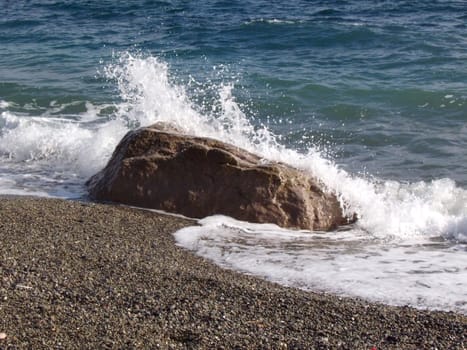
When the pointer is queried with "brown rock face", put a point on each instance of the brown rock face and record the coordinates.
(158, 167)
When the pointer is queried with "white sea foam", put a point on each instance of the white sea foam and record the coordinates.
(58, 142)
(4, 104)
(55, 153)
(420, 273)
(274, 21)
(53, 156)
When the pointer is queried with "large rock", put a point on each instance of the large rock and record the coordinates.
(159, 167)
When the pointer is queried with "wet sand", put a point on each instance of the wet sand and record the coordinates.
(95, 276)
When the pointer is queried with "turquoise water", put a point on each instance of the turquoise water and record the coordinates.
(369, 95)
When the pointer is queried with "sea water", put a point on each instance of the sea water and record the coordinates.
(370, 97)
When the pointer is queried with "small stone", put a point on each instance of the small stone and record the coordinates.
(2, 335)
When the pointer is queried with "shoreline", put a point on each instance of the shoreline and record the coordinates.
(88, 275)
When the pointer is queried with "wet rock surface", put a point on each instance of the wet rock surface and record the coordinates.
(159, 167)
(91, 276)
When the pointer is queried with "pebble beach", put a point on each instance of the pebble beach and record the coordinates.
(98, 276)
